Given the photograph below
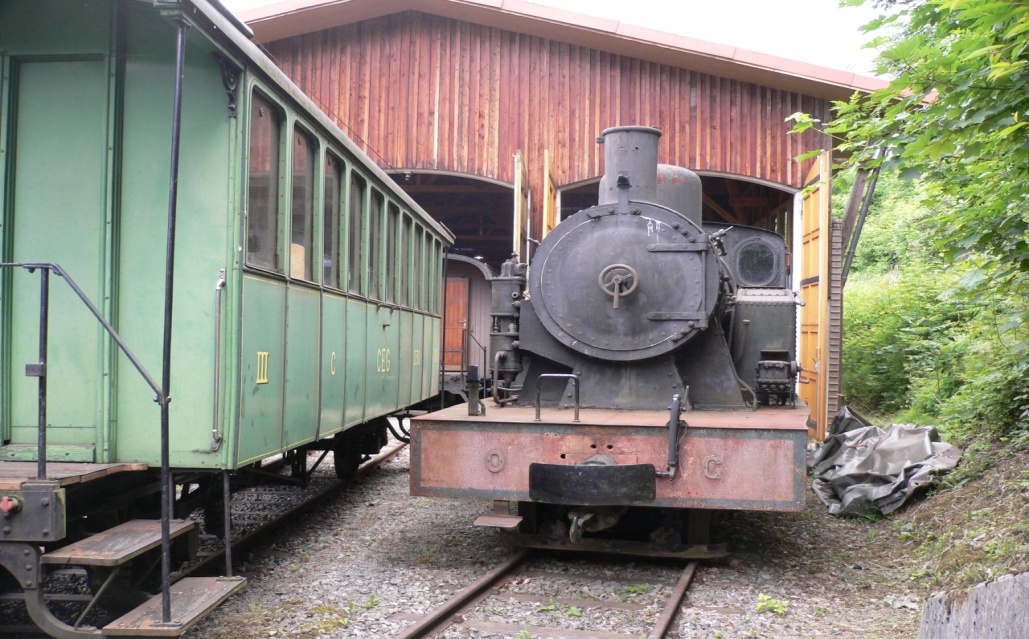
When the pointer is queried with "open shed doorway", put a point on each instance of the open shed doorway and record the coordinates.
(478, 211)
(727, 200)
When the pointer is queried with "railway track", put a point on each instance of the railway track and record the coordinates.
(258, 510)
(467, 610)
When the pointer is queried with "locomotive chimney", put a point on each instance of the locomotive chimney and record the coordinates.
(629, 151)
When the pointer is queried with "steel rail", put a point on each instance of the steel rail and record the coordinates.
(467, 598)
(454, 610)
(672, 605)
(206, 564)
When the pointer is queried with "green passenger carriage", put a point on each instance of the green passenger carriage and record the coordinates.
(307, 285)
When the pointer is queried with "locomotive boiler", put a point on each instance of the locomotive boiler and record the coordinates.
(643, 368)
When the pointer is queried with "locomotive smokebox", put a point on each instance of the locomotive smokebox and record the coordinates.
(630, 151)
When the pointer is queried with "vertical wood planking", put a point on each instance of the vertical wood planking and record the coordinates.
(425, 92)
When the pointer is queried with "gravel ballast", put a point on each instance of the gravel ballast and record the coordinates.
(366, 561)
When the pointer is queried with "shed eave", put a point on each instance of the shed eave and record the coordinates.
(297, 17)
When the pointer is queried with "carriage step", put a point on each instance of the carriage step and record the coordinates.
(191, 599)
(507, 522)
(117, 545)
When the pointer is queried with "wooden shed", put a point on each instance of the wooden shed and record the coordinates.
(487, 113)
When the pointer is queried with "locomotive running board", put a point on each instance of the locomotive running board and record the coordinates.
(592, 485)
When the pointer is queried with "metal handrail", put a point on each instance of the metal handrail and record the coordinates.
(39, 370)
(59, 271)
(573, 378)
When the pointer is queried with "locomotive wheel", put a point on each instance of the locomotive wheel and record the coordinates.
(346, 453)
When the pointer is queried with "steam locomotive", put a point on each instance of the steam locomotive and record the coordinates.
(643, 369)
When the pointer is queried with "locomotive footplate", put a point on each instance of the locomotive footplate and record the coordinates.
(592, 485)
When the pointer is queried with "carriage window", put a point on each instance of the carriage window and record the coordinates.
(375, 245)
(405, 269)
(427, 296)
(431, 302)
(437, 280)
(419, 269)
(301, 243)
(263, 190)
(392, 217)
(355, 263)
(330, 223)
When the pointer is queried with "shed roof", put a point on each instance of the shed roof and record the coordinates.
(295, 17)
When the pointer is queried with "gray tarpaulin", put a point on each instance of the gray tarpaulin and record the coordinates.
(862, 468)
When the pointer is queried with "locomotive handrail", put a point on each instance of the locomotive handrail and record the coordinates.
(574, 378)
(39, 370)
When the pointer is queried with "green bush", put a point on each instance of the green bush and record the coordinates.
(930, 341)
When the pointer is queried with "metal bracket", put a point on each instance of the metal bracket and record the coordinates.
(41, 518)
(22, 561)
(230, 80)
(675, 426)
(671, 316)
(698, 245)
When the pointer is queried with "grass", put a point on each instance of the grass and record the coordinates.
(973, 527)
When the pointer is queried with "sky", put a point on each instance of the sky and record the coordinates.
(814, 31)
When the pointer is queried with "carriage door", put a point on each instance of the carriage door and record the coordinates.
(455, 326)
(814, 292)
(55, 212)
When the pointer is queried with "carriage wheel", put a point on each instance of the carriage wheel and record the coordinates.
(346, 453)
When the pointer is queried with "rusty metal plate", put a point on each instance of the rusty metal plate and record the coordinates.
(589, 485)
